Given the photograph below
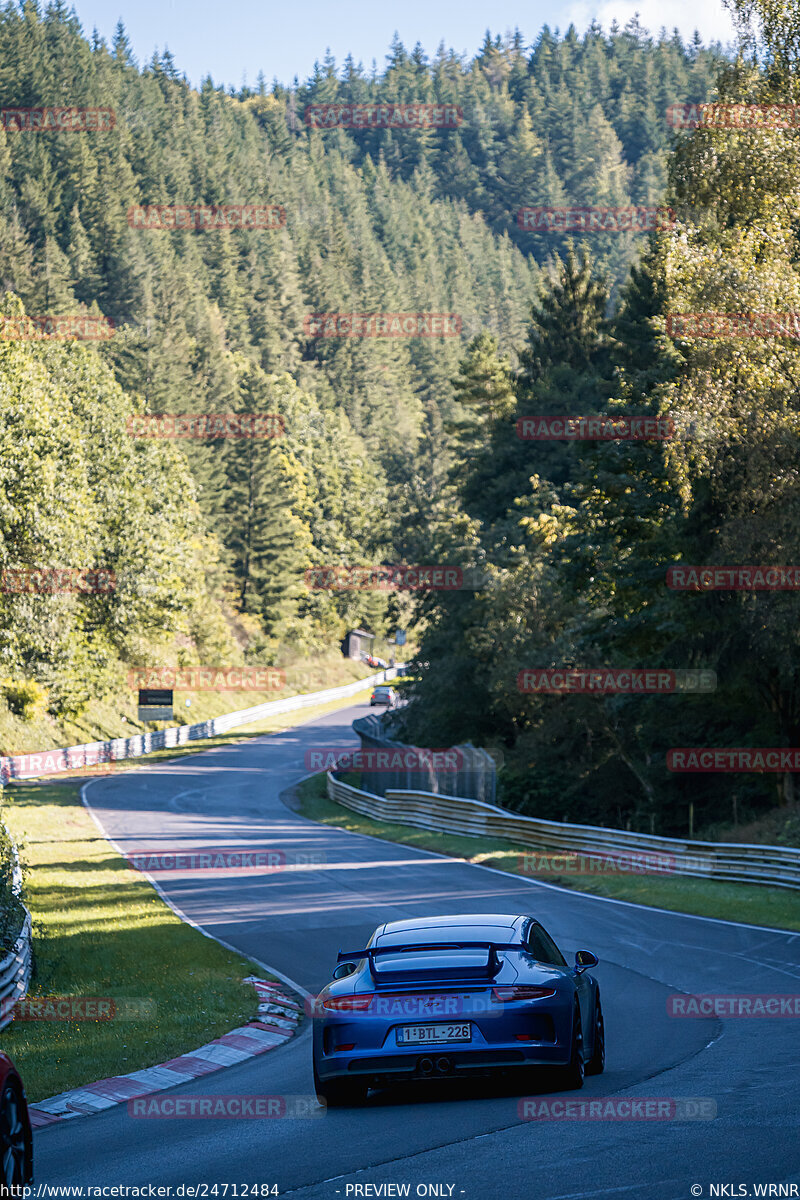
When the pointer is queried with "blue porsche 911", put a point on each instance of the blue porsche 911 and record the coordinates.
(446, 996)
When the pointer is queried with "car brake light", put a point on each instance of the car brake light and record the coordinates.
(348, 1003)
(522, 992)
(346, 1046)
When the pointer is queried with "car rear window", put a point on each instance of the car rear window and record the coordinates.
(448, 934)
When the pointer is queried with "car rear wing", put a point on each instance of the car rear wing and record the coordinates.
(491, 968)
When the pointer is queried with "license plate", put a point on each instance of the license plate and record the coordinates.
(416, 1035)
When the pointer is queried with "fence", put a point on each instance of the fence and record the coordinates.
(777, 866)
(472, 771)
(70, 758)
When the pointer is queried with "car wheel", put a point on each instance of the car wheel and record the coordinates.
(597, 1062)
(339, 1093)
(573, 1074)
(13, 1138)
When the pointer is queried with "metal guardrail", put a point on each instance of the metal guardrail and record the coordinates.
(89, 754)
(15, 968)
(777, 866)
(15, 973)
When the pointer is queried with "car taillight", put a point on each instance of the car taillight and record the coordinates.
(522, 992)
(348, 1003)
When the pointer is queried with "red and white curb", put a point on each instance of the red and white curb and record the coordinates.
(277, 1018)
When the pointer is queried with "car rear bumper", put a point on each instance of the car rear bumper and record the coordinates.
(411, 1064)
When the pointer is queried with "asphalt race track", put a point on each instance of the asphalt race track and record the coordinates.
(466, 1137)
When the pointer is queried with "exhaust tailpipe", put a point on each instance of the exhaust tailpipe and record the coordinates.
(425, 1066)
(444, 1065)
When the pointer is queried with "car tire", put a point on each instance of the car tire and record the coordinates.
(14, 1149)
(596, 1064)
(572, 1075)
(339, 1093)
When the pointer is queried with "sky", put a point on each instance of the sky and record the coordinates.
(232, 42)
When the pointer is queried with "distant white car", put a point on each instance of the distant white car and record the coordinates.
(383, 695)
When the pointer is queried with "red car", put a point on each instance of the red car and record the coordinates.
(16, 1137)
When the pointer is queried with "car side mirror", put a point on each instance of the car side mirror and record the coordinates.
(584, 959)
(343, 969)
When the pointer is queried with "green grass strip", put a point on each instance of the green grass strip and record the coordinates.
(101, 931)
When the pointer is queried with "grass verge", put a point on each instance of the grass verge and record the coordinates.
(101, 931)
(751, 903)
